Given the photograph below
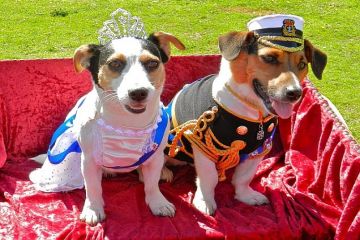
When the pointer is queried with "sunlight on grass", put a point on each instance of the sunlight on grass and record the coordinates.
(54, 29)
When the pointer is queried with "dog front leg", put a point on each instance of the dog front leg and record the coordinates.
(93, 209)
(153, 197)
(166, 174)
(207, 179)
(242, 177)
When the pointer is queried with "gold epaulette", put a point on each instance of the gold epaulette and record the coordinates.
(198, 133)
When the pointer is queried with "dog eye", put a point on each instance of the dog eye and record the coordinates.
(301, 65)
(270, 59)
(116, 65)
(151, 65)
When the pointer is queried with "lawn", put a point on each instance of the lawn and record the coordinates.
(53, 29)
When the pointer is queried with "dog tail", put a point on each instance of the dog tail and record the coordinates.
(40, 158)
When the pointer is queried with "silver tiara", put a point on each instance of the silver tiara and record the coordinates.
(121, 24)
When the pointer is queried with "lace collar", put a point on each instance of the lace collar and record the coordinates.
(131, 132)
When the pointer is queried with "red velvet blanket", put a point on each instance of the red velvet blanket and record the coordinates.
(311, 176)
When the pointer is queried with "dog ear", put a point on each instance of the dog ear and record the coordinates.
(84, 56)
(316, 57)
(232, 43)
(163, 40)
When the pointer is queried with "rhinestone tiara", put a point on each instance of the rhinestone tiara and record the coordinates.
(122, 24)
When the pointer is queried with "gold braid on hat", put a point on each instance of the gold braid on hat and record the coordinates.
(266, 41)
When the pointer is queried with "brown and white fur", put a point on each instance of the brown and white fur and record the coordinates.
(266, 77)
(129, 76)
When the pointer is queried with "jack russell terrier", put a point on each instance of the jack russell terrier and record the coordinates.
(228, 120)
(119, 126)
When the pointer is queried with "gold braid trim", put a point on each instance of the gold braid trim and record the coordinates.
(179, 132)
(223, 158)
(265, 40)
(227, 158)
(202, 147)
(195, 134)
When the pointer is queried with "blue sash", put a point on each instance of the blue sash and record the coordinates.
(75, 147)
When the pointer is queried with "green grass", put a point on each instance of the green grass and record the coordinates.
(53, 29)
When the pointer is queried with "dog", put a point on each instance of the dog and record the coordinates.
(228, 120)
(121, 124)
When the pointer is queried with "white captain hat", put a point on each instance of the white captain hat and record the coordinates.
(279, 30)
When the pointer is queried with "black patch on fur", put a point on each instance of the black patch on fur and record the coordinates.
(152, 40)
(94, 62)
(231, 44)
(318, 63)
(100, 54)
(317, 58)
(105, 52)
(253, 48)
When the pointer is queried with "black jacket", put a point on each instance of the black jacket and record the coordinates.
(195, 99)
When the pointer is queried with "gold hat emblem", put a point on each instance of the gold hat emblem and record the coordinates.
(288, 28)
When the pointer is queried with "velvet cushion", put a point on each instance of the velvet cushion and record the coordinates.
(311, 176)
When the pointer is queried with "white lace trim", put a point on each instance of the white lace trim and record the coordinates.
(130, 132)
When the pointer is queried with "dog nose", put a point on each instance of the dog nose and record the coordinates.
(138, 94)
(293, 94)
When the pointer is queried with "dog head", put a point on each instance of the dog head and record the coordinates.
(274, 75)
(129, 72)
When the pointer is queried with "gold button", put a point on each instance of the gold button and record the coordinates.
(238, 145)
(241, 130)
(271, 127)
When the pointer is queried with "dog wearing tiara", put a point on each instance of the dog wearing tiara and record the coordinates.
(228, 120)
(119, 126)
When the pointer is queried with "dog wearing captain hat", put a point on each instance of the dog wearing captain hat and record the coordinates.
(228, 120)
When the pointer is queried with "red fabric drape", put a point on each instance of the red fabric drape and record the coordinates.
(311, 176)
(3, 131)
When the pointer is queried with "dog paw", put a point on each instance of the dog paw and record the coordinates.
(162, 208)
(166, 174)
(207, 207)
(108, 174)
(92, 215)
(141, 176)
(251, 197)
